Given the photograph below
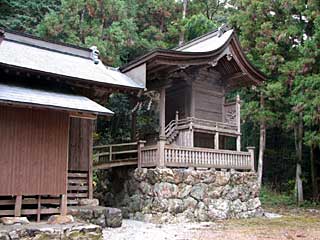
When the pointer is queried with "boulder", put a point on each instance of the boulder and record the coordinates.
(14, 220)
(222, 178)
(189, 203)
(60, 219)
(160, 205)
(214, 191)
(165, 190)
(146, 188)
(199, 191)
(113, 217)
(184, 190)
(89, 202)
(175, 206)
(253, 204)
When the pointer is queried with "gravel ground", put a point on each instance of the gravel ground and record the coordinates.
(293, 225)
(135, 230)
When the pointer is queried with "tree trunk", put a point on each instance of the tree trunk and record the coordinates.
(262, 143)
(298, 144)
(184, 13)
(314, 153)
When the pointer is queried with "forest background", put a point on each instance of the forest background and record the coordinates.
(280, 37)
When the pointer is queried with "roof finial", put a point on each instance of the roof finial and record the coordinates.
(222, 29)
(95, 54)
(1, 35)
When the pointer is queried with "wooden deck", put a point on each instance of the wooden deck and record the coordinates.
(136, 153)
(115, 155)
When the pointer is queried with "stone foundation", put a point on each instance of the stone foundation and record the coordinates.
(182, 195)
(74, 231)
(102, 216)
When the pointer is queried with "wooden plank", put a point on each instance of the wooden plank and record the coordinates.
(77, 195)
(39, 209)
(115, 164)
(78, 181)
(115, 145)
(77, 175)
(78, 188)
(17, 207)
(7, 202)
(90, 170)
(6, 212)
(63, 205)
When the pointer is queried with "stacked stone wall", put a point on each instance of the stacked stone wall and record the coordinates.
(182, 195)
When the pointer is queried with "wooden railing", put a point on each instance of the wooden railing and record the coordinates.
(177, 156)
(106, 156)
(191, 122)
(149, 156)
(209, 158)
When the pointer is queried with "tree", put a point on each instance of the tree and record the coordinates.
(23, 15)
(273, 34)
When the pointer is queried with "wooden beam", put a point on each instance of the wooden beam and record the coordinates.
(63, 204)
(39, 209)
(90, 170)
(17, 206)
(162, 112)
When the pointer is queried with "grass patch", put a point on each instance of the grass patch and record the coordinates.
(270, 198)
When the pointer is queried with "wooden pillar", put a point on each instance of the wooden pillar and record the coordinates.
(63, 204)
(238, 122)
(17, 206)
(251, 151)
(134, 126)
(239, 143)
(140, 146)
(90, 166)
(162, 117)
(161, 155)
(216, 140)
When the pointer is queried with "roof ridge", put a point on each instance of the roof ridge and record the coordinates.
(223, 28)
(35, 41)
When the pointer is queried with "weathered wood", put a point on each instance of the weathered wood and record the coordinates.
(29, 170)
(63, 205)
(90, 169)
(162, 117)
(204, 157)
(124, 162)
(17, 207)
(140, 146)
(39, 208)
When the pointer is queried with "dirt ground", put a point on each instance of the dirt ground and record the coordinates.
(295, 224)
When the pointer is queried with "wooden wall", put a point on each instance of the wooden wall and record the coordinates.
(208, 98)
(33, 151)
(80, 150)
(177, 99)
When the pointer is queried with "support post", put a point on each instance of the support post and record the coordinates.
(90, 168)
(39, 209)
(177, 117)
(162, 117)
(17, 206)
(238, 108)
(161, 156)
(63, 205)
(251, 151)
(216, 140)
(140, 146)
(238, 143)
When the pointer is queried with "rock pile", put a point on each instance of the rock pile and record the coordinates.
(183, 195)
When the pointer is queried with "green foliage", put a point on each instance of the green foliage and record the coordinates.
(271, 198)
(198, 25)
(23, 15)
